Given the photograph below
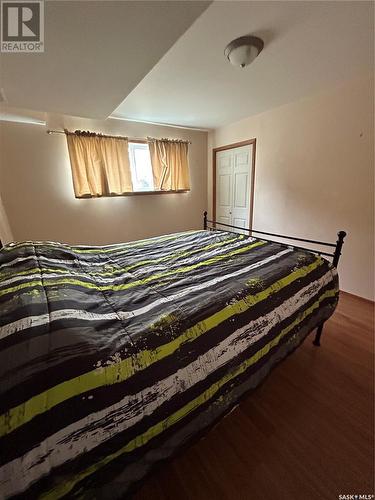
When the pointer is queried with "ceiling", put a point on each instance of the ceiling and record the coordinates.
(96, 52)
(163, 61)
(308, 47)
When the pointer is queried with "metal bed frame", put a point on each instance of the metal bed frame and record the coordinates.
(211, 225)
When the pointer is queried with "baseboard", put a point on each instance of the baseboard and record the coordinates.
(357, 297)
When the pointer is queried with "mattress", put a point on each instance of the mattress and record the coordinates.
(112, 358)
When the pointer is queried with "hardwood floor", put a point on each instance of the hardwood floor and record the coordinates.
(306, 433)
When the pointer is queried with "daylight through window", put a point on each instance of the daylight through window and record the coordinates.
(141, 169)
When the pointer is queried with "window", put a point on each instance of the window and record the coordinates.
(140, 165)
(105, 165)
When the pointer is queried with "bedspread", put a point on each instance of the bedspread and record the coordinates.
(113, 357)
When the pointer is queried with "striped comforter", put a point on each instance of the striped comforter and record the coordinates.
(111, 358)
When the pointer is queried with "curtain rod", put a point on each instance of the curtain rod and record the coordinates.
(49, 132)
(130, 139)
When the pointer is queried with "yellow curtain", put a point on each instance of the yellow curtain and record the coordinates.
(170, 168)
(100, 164)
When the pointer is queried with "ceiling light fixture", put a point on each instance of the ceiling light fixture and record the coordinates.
(242, 51)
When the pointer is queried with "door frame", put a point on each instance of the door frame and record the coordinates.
(252, 175)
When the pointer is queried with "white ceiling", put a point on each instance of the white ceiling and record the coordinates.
(96, 52)
(308, 47)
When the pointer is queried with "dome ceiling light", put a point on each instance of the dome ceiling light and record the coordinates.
(242, 51)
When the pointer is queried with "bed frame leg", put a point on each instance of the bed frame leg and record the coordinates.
(318, 334)
(336, 257)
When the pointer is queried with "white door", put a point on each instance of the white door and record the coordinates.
(233, 186)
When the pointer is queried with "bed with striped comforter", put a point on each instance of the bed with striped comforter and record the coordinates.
(112, 358)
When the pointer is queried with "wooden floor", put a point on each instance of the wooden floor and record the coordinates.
(306, 433)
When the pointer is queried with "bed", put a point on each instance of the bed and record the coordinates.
(113, 358)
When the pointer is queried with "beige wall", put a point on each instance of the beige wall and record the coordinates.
(314, 176)
(315, 173)
(37, 191)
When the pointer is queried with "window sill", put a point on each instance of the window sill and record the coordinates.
(133, 193)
